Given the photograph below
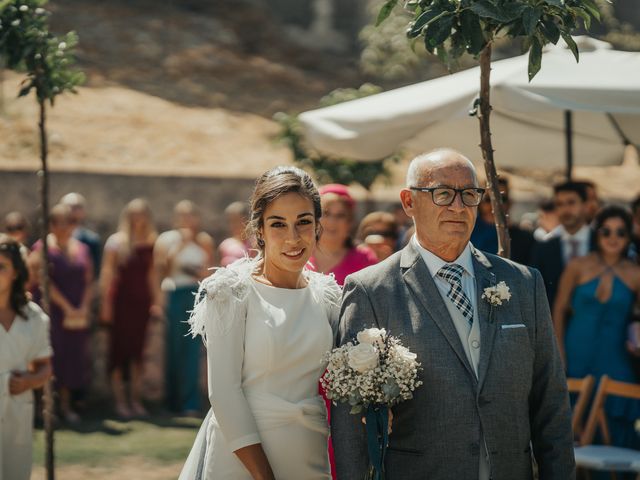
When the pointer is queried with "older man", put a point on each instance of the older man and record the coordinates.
(494, 393)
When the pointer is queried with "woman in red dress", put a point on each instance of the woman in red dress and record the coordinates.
(128, 288)
(336, 252)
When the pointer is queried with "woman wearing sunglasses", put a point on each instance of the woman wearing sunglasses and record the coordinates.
(597, 296)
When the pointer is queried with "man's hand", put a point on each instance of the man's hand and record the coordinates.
(19, 382)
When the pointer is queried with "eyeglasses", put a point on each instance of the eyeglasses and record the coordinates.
(606, 232)
(14, 228)
(445, 196)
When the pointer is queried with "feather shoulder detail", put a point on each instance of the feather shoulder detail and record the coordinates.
(324, 288)
(219, 297)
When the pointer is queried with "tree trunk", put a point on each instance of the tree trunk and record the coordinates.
(504, 242)
(48, 413)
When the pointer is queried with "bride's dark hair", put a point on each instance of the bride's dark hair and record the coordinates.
(273, 184)
(13, 251)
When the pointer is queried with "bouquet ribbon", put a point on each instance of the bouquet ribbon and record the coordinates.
(377, 417)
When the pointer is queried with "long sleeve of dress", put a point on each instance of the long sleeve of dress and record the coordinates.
(225, 355)
(219, 316)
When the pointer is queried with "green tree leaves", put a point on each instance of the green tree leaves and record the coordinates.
(328, 169)
(451, 28)
(27, 44)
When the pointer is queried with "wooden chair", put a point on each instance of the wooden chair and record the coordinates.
(606, 457)
(582, 387)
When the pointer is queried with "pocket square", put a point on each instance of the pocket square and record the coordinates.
(513, 325)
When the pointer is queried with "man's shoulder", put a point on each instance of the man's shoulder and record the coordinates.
(547, 250)
(504, 267)
(378, 274)
(553, 241)
(86, 235)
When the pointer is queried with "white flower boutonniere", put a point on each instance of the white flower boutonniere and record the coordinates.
(497, 294)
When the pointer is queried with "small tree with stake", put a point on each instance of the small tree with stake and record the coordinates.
(27, 45)
(452, 28)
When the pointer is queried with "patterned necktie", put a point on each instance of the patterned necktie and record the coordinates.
(452, 274)
(574, 244)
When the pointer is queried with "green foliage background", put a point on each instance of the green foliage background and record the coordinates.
(26, 44)
(328, 169)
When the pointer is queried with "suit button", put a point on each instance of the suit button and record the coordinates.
(482, 401)
(475, 343)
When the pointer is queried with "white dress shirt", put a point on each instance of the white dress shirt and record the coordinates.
(469, 334)
(582, 238)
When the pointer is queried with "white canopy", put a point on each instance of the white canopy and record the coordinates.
(528, 121)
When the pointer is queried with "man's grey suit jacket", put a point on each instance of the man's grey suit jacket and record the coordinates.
(519, 399)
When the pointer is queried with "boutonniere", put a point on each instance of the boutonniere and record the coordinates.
(498, 294)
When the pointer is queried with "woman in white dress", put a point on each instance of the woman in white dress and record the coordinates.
(267, 323)
(25, 362)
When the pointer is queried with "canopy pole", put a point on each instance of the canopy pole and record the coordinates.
(618, 129)
(568, 131)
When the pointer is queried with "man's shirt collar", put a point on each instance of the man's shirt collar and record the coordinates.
(435, 263)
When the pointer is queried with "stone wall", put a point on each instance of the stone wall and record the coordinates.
(107, 194)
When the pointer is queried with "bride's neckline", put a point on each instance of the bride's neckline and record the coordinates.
(262, 284)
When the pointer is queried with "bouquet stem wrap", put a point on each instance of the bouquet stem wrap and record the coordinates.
(377, 417)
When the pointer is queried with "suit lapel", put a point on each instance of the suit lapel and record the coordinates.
(421, 284)
(486, 313)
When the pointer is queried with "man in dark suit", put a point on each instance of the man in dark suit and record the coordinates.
(572, 238)
(494, 392)
(484, 235)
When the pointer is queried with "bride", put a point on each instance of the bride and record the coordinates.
(267, 323)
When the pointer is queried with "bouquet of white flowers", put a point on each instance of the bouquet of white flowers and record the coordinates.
(372, 374)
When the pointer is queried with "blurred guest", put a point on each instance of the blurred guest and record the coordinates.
(237, 245)
(485, 237)
(71, 278)
(378, 231)
(17, 227)
(182, 257)
(78, 205)
(128, 289)
(571, 239)
(25, 361)
(336, 253)
(404, 224)
(598, 292)
(547, 220)
(635, 237)
(592, 204)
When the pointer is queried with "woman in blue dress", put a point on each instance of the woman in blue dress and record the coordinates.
(597, 296)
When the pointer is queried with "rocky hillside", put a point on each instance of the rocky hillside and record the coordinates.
(186, 90)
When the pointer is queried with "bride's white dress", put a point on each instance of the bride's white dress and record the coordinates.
(264, 351)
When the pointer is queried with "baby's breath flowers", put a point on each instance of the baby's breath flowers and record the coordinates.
(374, 369)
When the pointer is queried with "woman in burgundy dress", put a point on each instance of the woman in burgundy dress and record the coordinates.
(128, 289)
(71, 276)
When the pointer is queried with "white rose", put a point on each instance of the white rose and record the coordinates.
(405, 354)
(363, 357)
(371, 335)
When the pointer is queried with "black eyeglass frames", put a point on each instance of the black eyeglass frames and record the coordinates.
(445, 196)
